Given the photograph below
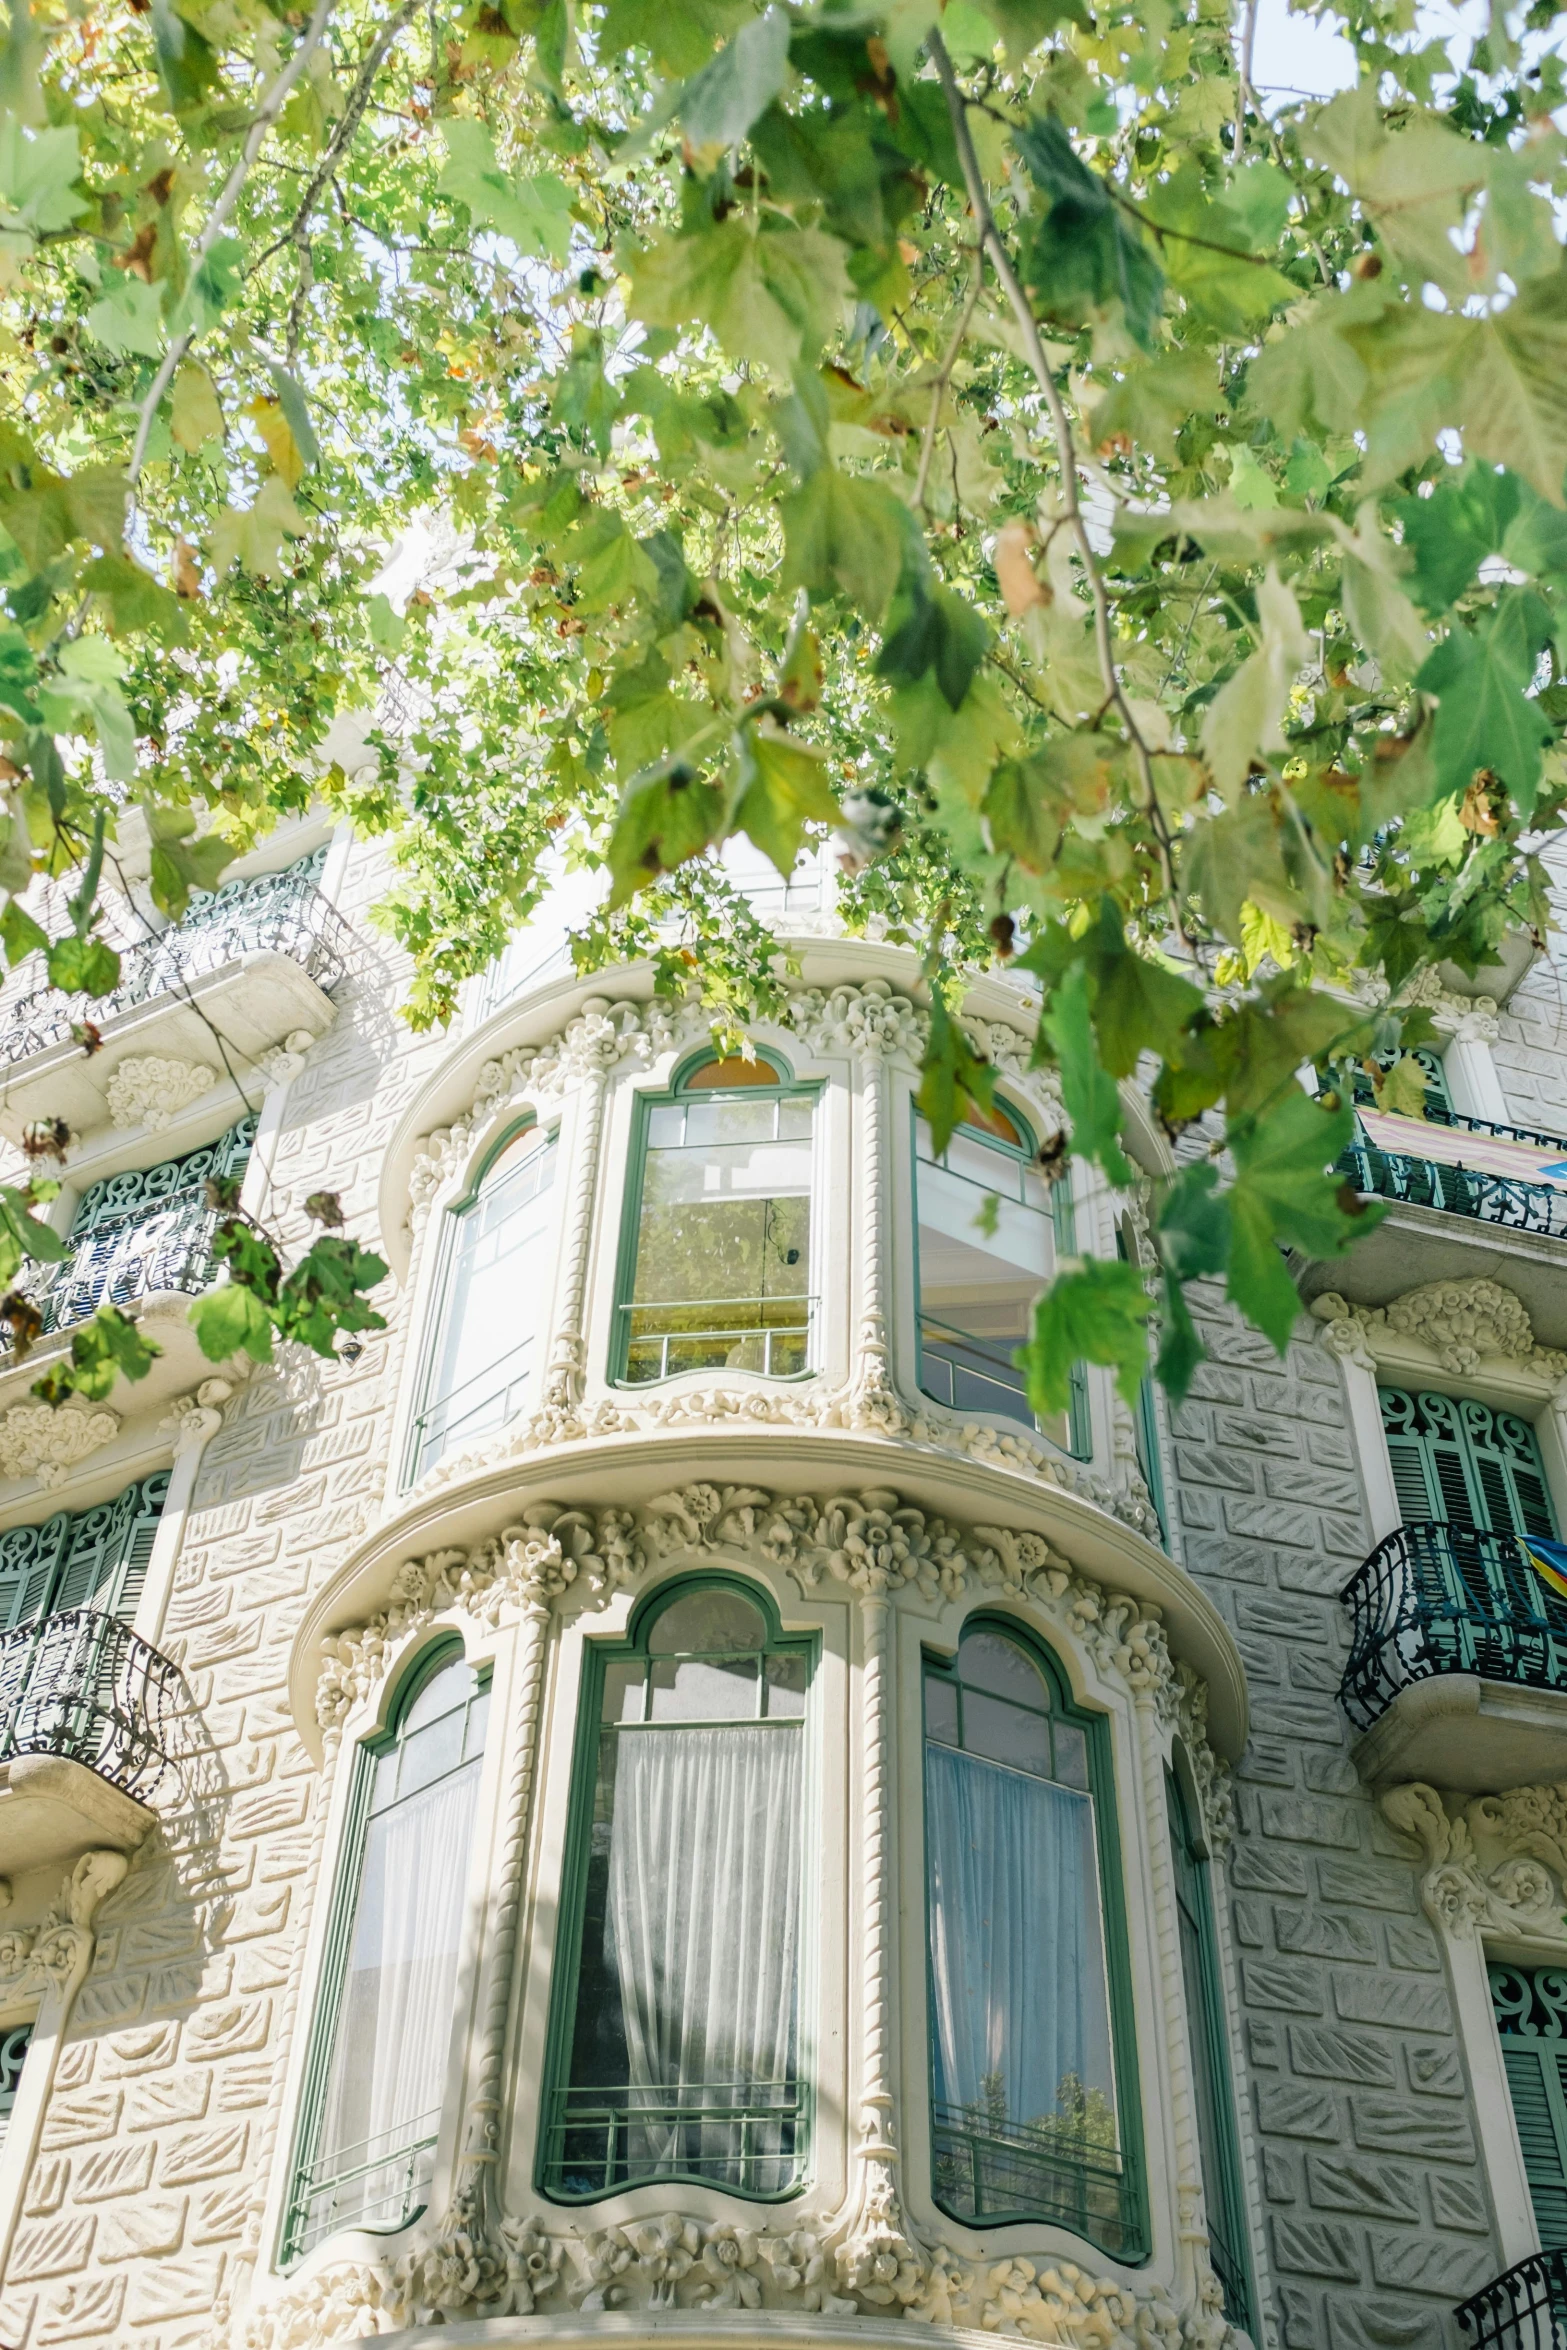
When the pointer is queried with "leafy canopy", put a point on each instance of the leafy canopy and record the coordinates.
(1129, 517)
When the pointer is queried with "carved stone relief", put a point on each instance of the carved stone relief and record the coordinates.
(47, 1441)
(35, 1960)
(151, 1089)
(1497, 1864)
(1464, 1323)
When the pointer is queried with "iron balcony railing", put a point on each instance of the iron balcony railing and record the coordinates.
(749, 2136)
(126, 1257)
(988, 2172)
(274, 913)
(1436, 1599)
(767, 1334)
(970, 1374)
(1525, 2309)
(1510, 1200)
(82, 1686)
(380, 2183)
(474, 1407)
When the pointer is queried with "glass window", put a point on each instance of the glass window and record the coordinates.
(720, 1275)
(13, 2055)
(1531, 2017)
(497, 1273)
(990, 1229)
(1028, 2082)
(676, 2033)
(1223, 2192)
(378, 2062)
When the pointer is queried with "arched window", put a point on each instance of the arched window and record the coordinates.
(675, 2039)
(1033, 2080)
(716, 1266)
(493, 1285)
(377, 2070)
(990, 1227)
(1223, 2189)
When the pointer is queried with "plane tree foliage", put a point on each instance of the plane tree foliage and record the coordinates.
(1121, 508)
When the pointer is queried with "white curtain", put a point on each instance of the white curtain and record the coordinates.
(1016, 1943)
(389, 2056)
(704, 1923)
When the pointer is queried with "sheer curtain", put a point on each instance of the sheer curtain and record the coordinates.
(389, 2056)
(1016, 1945)
(704, 1923)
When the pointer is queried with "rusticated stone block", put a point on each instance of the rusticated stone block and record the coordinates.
(142, 2227)
(125, 2168)
(1366, 1884)
(51, 2248)
(83, 2120)
(1412, 1947)
(1342, 2056)
(84, 2312)
(1282, 1982)
(206, 2154)
(1299, 1819)
(1371, 2323)
(1264, 1868)
(1316, 2248)
(1415, 2262)
(1393, 1999)
(1459, 2202)
(1351, 2182)
(1435, 2069)
(1324, 1933)
(1399, 2125)
(1293, 2109)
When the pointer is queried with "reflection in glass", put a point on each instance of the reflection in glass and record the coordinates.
(987, 1239)
(684, 2031)
(370, 2151)
(1022, 2058)
(723, 1239)
(491, 1316)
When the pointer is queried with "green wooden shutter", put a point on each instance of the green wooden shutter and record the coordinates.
(1219, 2152)
(95, 1558)
(1462, 1462)
(29, 1563)
(1535, 2056)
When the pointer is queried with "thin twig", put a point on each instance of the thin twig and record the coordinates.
(938, 389)
(265, 116)
(1244, 94)
(1074, 516)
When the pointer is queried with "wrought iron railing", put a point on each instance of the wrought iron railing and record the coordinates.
(1436, 1599)
(767, 1334)
(1462, 1191)
(989, 2171)
(749, 2136)
(273, 913)
(82, 1686)
(1525, 2309)
(473, 1408)
(379, 2183)
(970, 1374)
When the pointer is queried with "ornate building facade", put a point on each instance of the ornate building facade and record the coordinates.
(656, 1799)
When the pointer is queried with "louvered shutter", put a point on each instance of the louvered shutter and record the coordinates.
(1414, 1471)
(1539, 2093)
(105, 1567)
(29, 1563)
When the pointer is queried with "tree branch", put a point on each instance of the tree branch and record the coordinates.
(1001, 261)
(265, 116)
(944, 375)
(1244, 94)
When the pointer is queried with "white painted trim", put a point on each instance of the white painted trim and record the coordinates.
(1469, 1066)
(1500, 2150)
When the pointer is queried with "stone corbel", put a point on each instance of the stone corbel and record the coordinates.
(191, 1419)
(1496, 1866)
(1464, 1323)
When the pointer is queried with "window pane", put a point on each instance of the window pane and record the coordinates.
(1023, 2079)
(988, 1660)
(941, 1710)
(703, 1689)
(1006, 1733)
(501, 1254)
(375, 2146)
(707, 1621)
(986, 1243)
(724, 1242)
(624, 1690)
(786, 1679)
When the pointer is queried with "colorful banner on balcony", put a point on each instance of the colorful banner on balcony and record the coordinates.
(1549, 1561)
(1456, 1146)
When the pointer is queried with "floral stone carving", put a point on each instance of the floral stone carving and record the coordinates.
(1463, 1323)
(1497, 1864)
(47, 1440)
(151, 1089)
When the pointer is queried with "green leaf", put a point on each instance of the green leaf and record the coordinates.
(109, 1346)
(38, 174)
(668, 813)
(1088, 1091)
(1485, 718)
(954, 1082)
(535, 213)
(129, 317)
(843, 536)
(1193, 1228)
(771, 295)
(1140, 1006)
(296, 412)
(1084, 255)
(252, 537)
(1285, 1191)
(18, 673)
(231, 1319)
(24, 1238)
(933, 628)
(783, 787)
(1180, 1348)
(1152, 402)
(718, 106)
(213, 288)
(1451, 532)
(20, 935)
(187, 64)
(196, 416)
(83, 966)
(133, 601)
(1097, 1313)
(1246, 715)
(1205, 257)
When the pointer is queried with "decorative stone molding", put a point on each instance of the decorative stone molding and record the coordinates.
(1498, 1865)
(1474, 1019)
(285, 1060)
(151, 1089)
(1464, 1323)
(191, 1419)
(35, 1960)
(47, 1441)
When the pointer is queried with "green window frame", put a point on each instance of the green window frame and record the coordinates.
(773, 1332)
(1530, 2005)
(960, 1368)
(412, 1758)
(1458, 1462)
(13, 2055)
(1081, 2166)
(95, 1558)
(748, 2132)
(456, 1410)
(1218, 2140)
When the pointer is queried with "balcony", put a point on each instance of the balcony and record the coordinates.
(1495, 1185)
(251, 965)
(91, 1721)
(1457, 1671)
(1526, 2309)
